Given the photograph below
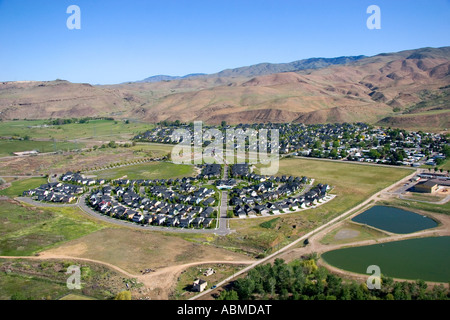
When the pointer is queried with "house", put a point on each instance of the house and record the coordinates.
(207, 213)
(207, 222)
(209, 201)
(173, 221)
(160, 219)
(199, 285)
(185, 222)
(197, 222)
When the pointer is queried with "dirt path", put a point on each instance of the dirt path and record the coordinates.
(158, 285)
(316, 246)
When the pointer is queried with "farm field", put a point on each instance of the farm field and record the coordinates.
(7, 147)
(94, 129)
(76, 161)
(352, 183)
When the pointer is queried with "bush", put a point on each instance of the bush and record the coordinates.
(123, 295)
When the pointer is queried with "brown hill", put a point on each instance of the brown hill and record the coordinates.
(384, 87)
(60, 99)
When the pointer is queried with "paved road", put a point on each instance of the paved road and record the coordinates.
(44, 204)
(97, 215)
(223, 228)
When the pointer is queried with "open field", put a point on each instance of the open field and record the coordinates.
(46, 279)
(7, 147)
(18, 186)
(74, 161)
(135, 250)
(94, 129)
(352, 183)
(418, 207)
(423, 197)
(150, 170)
(183, 290)
(26, 230)
(350, 232)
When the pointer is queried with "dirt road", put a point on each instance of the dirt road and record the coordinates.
(157, 285)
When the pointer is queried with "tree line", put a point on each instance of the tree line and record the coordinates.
(304, 280)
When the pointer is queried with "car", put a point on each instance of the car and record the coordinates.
(213, 287)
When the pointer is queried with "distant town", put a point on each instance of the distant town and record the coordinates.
(348, 142)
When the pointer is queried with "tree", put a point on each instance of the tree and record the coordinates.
(336, 143)
(123, 295)
(228, 295)
(223, 124)
(333, 153)
(374, 154)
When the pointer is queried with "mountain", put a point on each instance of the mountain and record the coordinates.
(271, 68)
(160, 78)
(409, 89)
(262, 69)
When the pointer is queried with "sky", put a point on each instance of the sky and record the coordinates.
(122, 41)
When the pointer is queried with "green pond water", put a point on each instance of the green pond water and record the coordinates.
(395, 220)
(425, 258)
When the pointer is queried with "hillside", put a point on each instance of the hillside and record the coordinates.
(408, 88)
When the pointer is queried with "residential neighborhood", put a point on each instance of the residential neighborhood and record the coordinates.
(341, 141)
(188, 202)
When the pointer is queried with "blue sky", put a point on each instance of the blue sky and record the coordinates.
(130, 40)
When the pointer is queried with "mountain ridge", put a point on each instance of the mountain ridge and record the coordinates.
(410, 87)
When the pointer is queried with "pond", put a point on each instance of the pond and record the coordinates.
(395, 220)
(424, 258)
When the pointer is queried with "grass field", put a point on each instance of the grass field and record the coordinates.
(74, 161)
(424, 197)
(135, 250)
(94, 129)
(352, 183)
(151, 170)
(47, 280)
(25, 230)
(18, 186)
(183, 290)
(360, 233)
(414, 205)
(7, 147)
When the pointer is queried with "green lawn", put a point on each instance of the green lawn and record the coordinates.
(7, 147)
(25, 230)
(17, 187)
(150, 170)
(104, 129)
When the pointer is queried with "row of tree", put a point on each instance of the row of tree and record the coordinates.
(304, 280)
